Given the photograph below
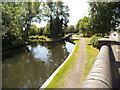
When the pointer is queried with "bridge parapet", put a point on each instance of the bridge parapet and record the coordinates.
(105, 41)
(100, 75)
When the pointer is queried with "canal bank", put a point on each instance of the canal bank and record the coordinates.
(60, 76)
(72, 77)
(30, 66)
(48, 40)
(33, 39)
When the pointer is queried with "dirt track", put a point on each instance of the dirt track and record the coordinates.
(74, 78)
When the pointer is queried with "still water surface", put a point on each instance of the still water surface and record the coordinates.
(29, 67)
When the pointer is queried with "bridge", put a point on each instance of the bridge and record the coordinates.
(105, 72)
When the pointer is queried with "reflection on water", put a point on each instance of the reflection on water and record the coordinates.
(29, 67)
(36, 51)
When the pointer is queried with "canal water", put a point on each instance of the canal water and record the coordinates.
(29, 67)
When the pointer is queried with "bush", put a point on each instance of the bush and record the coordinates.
(94, 41)
(39, 38)
(118, 30)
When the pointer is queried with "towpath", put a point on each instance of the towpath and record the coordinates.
(74, 78)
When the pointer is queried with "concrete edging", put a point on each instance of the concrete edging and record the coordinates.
(57, 70)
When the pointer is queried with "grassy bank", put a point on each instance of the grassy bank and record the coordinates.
(91, 54)
(39, 38)
(43, 38)
(59, 80)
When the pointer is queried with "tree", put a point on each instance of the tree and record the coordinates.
(33, 30)
(16, 21)
(41, 30)
(83, 26)
(77, 27)
(46, 30)
(12, 23)
(58, 15)
(70, 29)
(104, 16)
(118, 30)
(32, 13)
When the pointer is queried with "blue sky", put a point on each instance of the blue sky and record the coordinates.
(78, 9)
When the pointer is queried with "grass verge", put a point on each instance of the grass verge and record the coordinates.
(43, 38)
(39, 38)
(91, 54)
(60, 78)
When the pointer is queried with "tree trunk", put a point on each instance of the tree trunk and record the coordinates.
(27, 31)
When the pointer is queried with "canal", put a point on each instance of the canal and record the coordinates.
(30, 66)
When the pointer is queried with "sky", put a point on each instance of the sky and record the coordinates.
(78, 9)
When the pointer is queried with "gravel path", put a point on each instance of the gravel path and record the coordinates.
(74, 78)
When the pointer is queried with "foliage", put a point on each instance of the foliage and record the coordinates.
(83, 26)
(41, 30)
(33, 30)
(118, 30)
(104, 16)
(46, 30)
(17, 19)
(57, 14)
(70, 29)
(94, 41)
(32, 12)
(11, 23)
(40, 38)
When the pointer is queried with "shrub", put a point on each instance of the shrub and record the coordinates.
(118, 30)
(94, 41)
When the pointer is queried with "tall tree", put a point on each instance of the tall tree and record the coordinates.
(12, 23)
(58, 17)
(33, 30)
(32, 13)
(104, 16)
(83, 25)
(16, 20)
(70, 29)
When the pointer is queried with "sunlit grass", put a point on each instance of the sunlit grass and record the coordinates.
(75, 35)
(87, 38)
(43, 38)
(62, 75)
(39, 38)
(91, 54)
